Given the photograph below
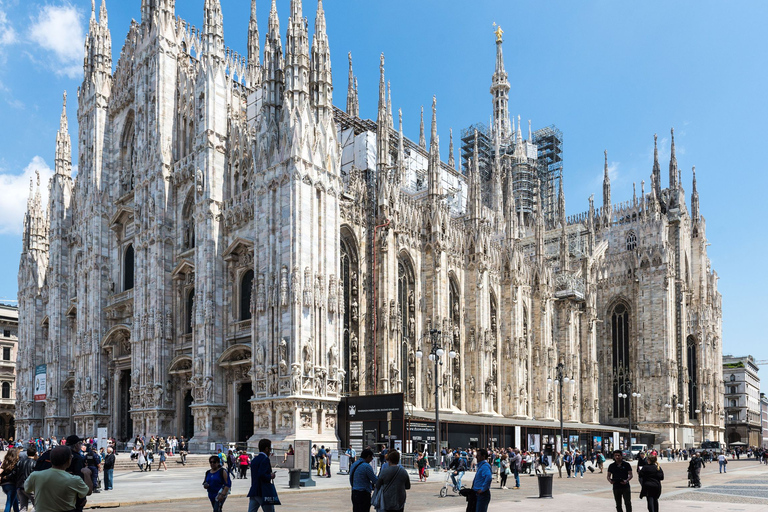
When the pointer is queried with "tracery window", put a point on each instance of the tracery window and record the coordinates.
(246, 290)
(693, 381)
(128, 268)
(631, 241)
(621, 359)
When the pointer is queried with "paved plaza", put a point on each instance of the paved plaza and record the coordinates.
(743, 488)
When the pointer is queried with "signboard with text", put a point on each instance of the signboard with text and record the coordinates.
(40, 382)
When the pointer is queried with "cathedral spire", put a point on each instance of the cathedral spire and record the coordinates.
(296, 56)
(422, 138)
(213, 28)
(565, 256)
(353, 104)
(694, 198)
(272, 69)
(382, 124)
(400, 150)
(253, 47)
(435, 182)
(63, 144)
(389, 105)
(607, 207)
(321, 81)
(500, 93)
(98, 44)
(451, 159)
(519, 153)
(103, 16)
(673, 171)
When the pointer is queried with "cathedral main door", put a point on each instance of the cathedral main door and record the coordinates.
(125, 428)
(189, 420)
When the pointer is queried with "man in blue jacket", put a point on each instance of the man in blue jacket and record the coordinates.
(261, 473)
(482, 483)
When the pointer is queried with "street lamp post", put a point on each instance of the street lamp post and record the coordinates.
(674, 406)
(560, 379)
(629, 394)
(436, 354)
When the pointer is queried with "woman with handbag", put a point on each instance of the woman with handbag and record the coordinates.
(217, 483)
(391, 485)
(504, 471)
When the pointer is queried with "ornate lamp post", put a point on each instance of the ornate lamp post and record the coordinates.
(675, 406)
(560, 379)
(436, 354)
(629, 394)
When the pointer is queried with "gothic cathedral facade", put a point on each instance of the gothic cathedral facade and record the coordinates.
(235, 254)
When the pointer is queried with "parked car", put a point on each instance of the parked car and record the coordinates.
(627, 455)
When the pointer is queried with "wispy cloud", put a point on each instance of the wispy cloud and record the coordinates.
(14, 191)
(58, 30)
(7, 33)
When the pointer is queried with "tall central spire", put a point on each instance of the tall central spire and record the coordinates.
(500, 93)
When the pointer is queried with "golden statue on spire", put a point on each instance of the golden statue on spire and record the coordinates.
(499, 33)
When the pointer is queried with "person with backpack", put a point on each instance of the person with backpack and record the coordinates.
(362, 478)
(600, 461)
(217, 483)
(92, 462)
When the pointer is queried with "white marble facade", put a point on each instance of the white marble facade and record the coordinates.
(235, 254)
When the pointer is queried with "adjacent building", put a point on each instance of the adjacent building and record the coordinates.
(236, 254)
(9, 340)
(743, 407)
(764, 420)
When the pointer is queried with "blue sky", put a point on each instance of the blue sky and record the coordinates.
(609, 74)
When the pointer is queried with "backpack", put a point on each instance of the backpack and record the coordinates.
(25, 468)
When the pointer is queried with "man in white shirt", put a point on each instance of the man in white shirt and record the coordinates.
(722, 462)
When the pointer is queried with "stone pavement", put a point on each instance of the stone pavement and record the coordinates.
(742, 489)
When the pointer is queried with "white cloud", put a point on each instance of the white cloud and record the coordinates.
(59, 30)
(7, 33)
(14, 191)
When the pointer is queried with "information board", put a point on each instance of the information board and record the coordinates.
(40, 382)
(303, 458)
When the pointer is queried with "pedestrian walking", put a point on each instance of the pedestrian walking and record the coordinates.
(109, 468)
(515, 465)
(26, 467)
(694, 469)
(482, 482)
(243, 462)
(362, 479)
(162, 460)
(504, 471)
(141, 459)
(262, 493)
(8, 473)
(723, 462)
(619, 474)
(650, 476)
(391, 486)
(183, 451)
(217, 483)
(56, 489)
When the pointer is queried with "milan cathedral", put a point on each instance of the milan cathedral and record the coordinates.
(235, 254)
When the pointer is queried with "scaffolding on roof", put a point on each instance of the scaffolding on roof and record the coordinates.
(484, 148)
(549, 141)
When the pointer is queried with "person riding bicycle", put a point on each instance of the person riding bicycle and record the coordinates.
(459, 467)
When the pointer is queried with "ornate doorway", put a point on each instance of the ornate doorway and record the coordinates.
(189, 420)
(125, 428)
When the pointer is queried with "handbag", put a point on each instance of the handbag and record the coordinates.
(426, 473)
(269, 494)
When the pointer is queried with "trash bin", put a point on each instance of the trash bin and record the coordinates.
(545, 486)
(294, 479)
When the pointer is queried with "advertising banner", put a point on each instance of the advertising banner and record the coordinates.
(40, 382)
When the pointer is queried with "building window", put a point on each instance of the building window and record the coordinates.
(6, 390)
(620, 351)
(190, 312)
(7, 334)
(6, 353)
(693, 379)
(406, 283)
(631, 241)
(246, 291)
(128, 269)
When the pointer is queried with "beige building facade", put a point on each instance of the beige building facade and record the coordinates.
(9, 341)
(236, 254)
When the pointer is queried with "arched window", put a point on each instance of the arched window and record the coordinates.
(246, 289)
(620, 352)
(6, 390)
(128, 268)
(189, 317)
(405, 299)
(631, 241)
(693, 380)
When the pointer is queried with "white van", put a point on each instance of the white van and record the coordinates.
(637, 448)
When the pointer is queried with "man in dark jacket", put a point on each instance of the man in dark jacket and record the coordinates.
(26, 467)
(694, 468)
(92, 462)
(261, 473)
(109, 468)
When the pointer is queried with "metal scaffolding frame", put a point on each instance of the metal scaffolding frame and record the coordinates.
(549, 141)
